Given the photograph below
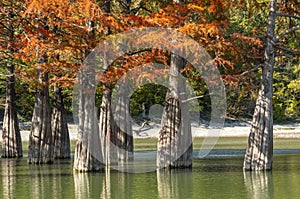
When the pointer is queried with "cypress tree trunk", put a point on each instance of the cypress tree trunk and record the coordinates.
(175, 139)
(60, 132)
(107, 135)
(11, 138)
(88, 155)
(122, 127)
(115, 132)
(259, 154)
(40, 149)
(116, 144)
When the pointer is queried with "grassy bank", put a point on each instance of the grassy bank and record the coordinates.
(222, 143)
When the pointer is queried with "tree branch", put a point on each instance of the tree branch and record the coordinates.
(105, 2)
(1, 74)
(3, 25)
(287, 15)
(146, 9)
(196, 97)
(283, 55)
(287, 32)
(251, 70)
(288, 50)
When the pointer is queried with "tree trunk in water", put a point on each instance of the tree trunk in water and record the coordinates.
(175, 139)
(116, 131)
(122, 127)
(107, 135)
(60, 132)
(88, 155)
(40, 149)
(259, 154)
(11, 138)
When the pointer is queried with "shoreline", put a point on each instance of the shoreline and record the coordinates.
(234, 129)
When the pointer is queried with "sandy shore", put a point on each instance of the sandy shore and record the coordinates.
(233, 129)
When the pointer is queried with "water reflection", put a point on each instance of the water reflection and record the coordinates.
(108, 184)
(47, 181)
(82, 185)
(8, 178)
(106, 190)
(259, 184)
(175, 183)
(210, 178)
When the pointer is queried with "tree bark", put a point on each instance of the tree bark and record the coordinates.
(40, 149)
(60, 132)
(175, 139)
(115, 133)
(122, 127)
(11, 137)
(259, 154)
(107, 135)
(88, 155)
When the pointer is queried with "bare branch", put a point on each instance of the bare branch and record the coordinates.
(287, 32)
(4, 26)
(26, 36)
(105, 2)
(1, 74)
(288, 15)
(146, 9)
(259, 36)
(123, 4)
(288, 50)
(19, 64)
(254, 57)
(283, 55)
(251, 70)
(193, 98)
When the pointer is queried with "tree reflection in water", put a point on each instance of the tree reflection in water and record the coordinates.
(175, 183)
(259, 184)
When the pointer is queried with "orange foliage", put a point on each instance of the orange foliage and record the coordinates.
(59, 29)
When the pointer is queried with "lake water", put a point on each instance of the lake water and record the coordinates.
(220, 175)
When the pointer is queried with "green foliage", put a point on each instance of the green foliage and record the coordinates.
(286, 98)
(149, 94)
(25, 100)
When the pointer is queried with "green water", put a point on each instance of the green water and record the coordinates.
(218, 176)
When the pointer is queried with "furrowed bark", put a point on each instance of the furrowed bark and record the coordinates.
(11, 137)
(40, 149)
(88, 155)
(259, 153)
(175, 139)
(60, 132)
